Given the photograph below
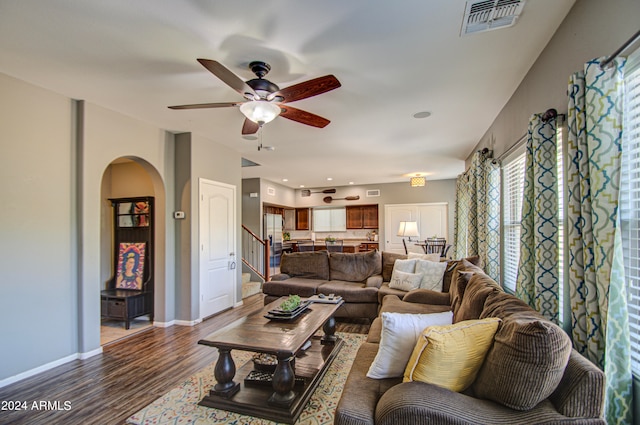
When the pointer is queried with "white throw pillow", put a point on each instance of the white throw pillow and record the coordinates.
(405, 281)
(400, 333)
(407, 266)
(429, 257)
(432, 274)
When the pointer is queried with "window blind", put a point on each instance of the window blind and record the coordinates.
(630, 207)
(512, 190)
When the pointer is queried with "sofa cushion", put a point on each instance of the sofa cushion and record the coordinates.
(360, 394)
(476, 292)
(385, 290)
(429, 257)
(506, 306)
(296, 285)
(459, 282)
(310, 265)
(400, 332)
(525, 364)
(407, 266)
(451, 268)
(405, 281)
(432, 274)
(351, 292)
(354, 267)
(451, 356)
(388, 260)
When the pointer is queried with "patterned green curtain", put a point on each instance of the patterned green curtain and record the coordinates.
(600, 324)
(477, 218)
(538, 283)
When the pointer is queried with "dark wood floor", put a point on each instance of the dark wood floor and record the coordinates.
(127, 376)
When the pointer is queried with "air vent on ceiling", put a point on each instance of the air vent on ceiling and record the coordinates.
(373, 192)
(487, 15)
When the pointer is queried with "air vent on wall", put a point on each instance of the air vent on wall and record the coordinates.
(487, 15)
(373, 192)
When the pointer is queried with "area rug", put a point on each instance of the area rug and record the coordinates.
(180, 405)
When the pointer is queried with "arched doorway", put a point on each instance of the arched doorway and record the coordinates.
(126, 177)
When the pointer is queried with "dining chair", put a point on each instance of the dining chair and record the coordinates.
(435, 245)
(306, 246)
(335, 246)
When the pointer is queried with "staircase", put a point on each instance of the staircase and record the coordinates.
(255, 262)
(250, 287)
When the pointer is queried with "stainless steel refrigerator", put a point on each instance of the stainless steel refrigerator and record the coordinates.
(273, 232)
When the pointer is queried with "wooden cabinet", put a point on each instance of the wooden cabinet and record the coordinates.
(303, 219)
(289, 219)
(129, 292)
(368, 246)
(362, 216)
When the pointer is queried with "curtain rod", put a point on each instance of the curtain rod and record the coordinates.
(605, 63)
(547, 116)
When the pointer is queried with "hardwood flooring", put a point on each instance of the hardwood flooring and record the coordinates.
(127, 376)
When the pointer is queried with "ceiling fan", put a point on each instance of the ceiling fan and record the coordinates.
(265, 100)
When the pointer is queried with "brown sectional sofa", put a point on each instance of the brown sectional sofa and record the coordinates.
(361, 279)
(354, 277)
(530, 375)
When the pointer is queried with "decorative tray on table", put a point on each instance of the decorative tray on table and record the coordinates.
(286, 311)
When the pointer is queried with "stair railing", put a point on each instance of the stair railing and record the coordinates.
(255, 253)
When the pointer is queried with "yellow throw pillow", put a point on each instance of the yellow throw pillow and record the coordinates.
(451, 356)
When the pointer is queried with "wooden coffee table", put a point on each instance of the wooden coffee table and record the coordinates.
(297, 374)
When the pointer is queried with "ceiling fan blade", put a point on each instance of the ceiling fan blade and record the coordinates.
(207, 105)
(229, 78)
(249, 127)
(303, 117)
(307, 89)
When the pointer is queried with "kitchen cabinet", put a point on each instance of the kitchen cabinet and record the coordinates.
(303, 221)
(329, 219)
(289, 219)
(368, 246)
(362, 217)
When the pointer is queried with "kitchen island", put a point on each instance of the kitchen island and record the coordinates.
(350, 245)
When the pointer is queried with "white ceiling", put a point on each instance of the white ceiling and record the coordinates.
(394, 59)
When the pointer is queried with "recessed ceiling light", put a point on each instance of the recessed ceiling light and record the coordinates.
(301, 185)
(285, 180)
(423, 114)
(351, 183)
(329, 178)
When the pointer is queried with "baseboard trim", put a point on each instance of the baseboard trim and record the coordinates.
(188, 322)
(45, 367)
(88, 354)
(164, 324)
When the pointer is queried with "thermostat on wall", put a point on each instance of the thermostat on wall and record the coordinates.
(178, 215)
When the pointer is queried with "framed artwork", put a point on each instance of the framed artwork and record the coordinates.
(130, 265)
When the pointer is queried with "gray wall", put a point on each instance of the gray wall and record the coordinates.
(38, 246)
(593, 28)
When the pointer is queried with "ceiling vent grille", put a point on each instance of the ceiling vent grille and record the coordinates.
(373, 193)
(487, 15)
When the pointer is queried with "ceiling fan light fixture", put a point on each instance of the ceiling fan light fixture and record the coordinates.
(260, 111)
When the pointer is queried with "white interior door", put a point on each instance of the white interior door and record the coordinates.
(393, 215)
(217, 247)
